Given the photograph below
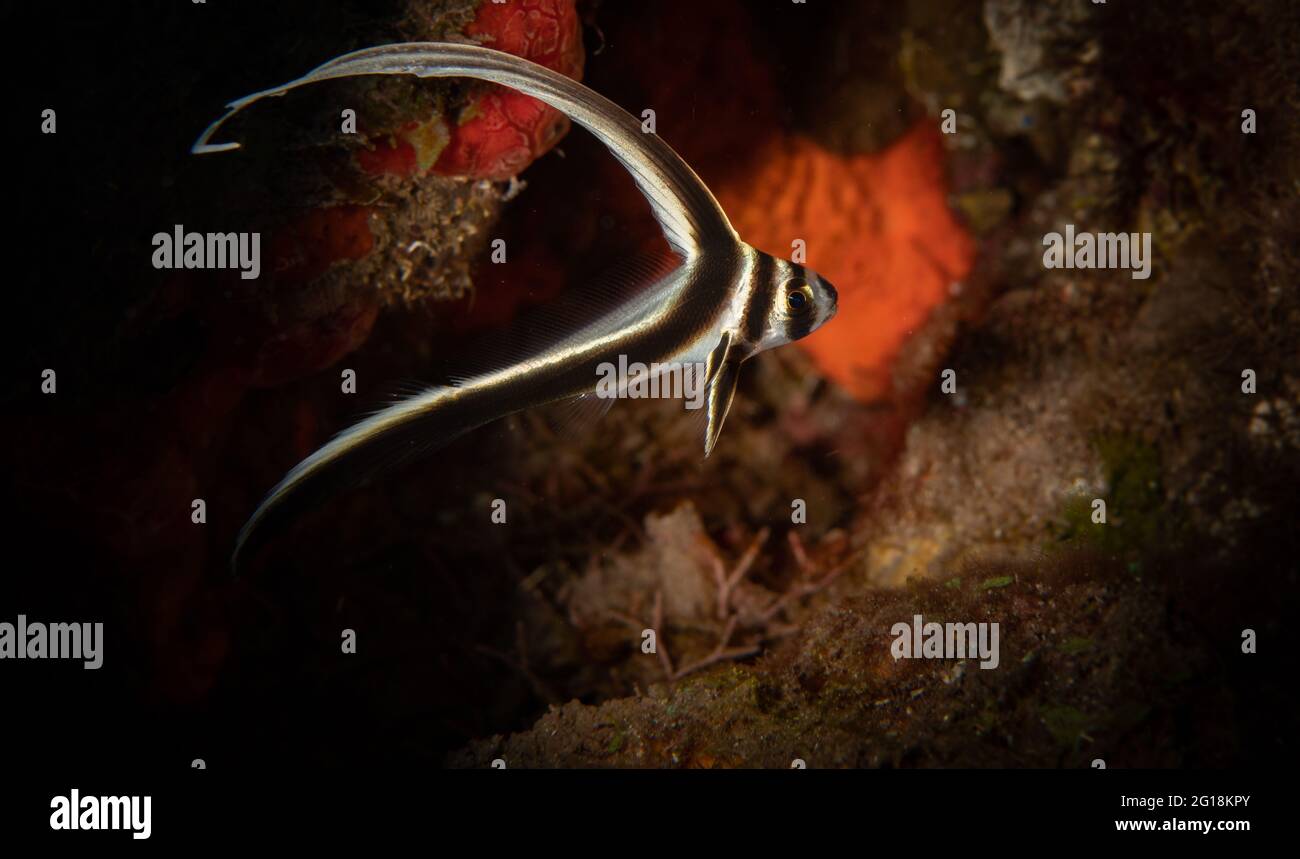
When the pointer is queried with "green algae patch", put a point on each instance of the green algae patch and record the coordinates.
(1076, 644)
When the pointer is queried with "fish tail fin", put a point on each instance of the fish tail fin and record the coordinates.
(400, 433)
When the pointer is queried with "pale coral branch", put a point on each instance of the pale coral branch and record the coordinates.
(800, 556)
(727, 584)
(803, 589)
(720, 653)
(661, 645)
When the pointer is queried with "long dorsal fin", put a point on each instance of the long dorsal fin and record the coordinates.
(686, 210)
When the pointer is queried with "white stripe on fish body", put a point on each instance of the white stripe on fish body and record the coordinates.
(744, 288)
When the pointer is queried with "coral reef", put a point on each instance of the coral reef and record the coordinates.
(1072, 386)
(1095, 664)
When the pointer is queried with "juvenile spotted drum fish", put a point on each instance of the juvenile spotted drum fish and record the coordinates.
(718, 304)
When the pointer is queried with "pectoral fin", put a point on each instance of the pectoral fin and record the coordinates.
(723, 372)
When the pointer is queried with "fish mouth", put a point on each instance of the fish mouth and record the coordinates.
(834, 302)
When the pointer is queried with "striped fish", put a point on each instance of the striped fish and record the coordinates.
(718, 303)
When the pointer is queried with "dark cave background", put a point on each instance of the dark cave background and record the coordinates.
(247, 675)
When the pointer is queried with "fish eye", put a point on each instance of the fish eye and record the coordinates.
(798, 296)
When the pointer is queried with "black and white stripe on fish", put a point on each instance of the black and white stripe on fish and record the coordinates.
(724, 302)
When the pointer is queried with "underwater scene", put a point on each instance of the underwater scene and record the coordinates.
(589, 384)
